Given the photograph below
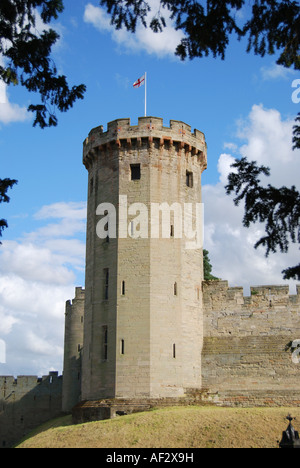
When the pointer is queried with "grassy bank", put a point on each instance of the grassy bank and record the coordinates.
(176, 427)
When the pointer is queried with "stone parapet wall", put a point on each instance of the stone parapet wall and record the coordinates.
(27, 402)
(248, 341)
(149, 131)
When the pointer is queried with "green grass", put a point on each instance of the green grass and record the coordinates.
(176, 427)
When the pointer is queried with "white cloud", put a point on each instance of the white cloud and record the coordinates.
(275, 72)
(38, 274)
(160, 44)
(224, 167)
(267, 139)
(10, 112)
(231, 147)
(34, 263)
(63, 210)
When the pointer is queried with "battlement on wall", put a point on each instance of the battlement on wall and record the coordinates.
(268, 311)
(25, 383)
(27, 402)
(218, 293)
(150, 130)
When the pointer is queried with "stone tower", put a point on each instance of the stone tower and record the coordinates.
(143, 320)
(72, 351)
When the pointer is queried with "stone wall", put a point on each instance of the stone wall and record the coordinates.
(247, 355)
(27, 402)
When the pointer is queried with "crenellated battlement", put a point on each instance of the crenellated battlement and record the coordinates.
(268, 311)
(27, 402)
(149, 131)
(79, 296)
(26, 383)
(250, 354)
(218, 293)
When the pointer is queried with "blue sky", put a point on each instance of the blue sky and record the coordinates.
(243, 105)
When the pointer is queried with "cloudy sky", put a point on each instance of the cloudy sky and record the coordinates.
(243, 105)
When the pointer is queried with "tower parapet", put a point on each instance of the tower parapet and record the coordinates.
(149, 131)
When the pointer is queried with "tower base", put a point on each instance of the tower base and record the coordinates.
(88, 411)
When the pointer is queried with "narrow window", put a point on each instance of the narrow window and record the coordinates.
(105, 343)
(106, 228)
(122, 347)
(92, 185)
(175, 289)
(189, 179)
(174, 351)
(123, 290)
(172, 231)
(106, 282)
(79, 348)
(135, 171)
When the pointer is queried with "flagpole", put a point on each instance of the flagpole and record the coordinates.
(145, 94)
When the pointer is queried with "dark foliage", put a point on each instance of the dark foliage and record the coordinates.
(277, 208)
(27, 57)
(207, 267)
(5, 184)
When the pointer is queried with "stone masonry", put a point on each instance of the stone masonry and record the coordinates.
(143, 325)
(154, 332)
(248, 355)
(27, 402)
(74, 318)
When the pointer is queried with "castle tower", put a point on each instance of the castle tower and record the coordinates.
(143, 322)
(72, 350)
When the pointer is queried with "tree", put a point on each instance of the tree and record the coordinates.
(296, 139)
(27, 57)
(277, 208)
(5, 184)
(207, 267)
(272, 26)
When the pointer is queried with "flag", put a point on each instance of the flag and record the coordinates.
(140, 82)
